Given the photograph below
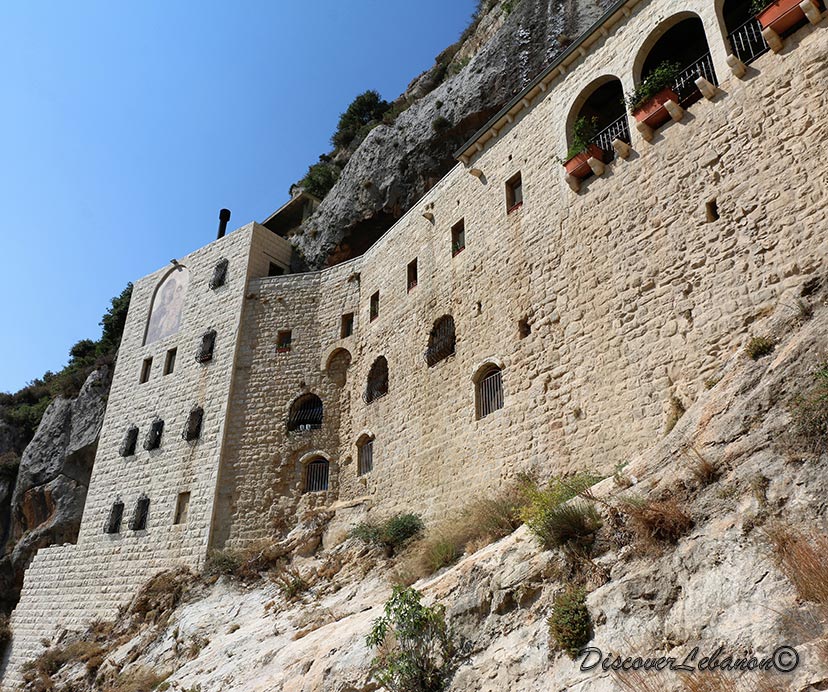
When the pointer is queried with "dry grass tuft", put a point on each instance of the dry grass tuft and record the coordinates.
(156, 599)
(138, 679)
(657, 521)
(809, 416)
(246, 565)
(803, 559)
(701, 467)
(759, 346)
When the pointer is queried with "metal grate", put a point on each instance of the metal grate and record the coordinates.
(747, 41)
(618, 129)
(441, 341)
(316, 479)
(153, 439)
(116, 513)
(365, 457)
(219, 274)
(377, 386)
(139, 516)
(192, 431)
(130, 442)
(305, 413)
(685, 84)
(205, 349)
(489, 393)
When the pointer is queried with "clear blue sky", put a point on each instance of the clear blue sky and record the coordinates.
(126, 125)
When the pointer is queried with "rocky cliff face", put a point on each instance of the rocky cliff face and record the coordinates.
(46, 503)
(396, 164)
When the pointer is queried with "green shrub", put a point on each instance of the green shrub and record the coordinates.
(570, 625)
(391, 533)
(221, 562)
(756, 6)
(583, 135)
(440, 124)
(416, 649)
(291, 582)
(759, 346)
(660, 77)
(809, 414)
(320, 178)
(364, 109)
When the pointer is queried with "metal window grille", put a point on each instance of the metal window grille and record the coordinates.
(306, 413)
(153, 439)
(205, 349)
(113, 522)
(377, 381)
(489, 393)
(685, 85)
(192, 431)
(219, 273)
(138, 522)
(618, 129)
(130, 442)
(316, 479)
(441, 341)
(365, 457)
(747, 41)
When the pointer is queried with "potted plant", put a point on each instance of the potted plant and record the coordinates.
(583, 148)
(647, 101)
(779, 15)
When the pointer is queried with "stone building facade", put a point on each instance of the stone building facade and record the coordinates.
(581, 319)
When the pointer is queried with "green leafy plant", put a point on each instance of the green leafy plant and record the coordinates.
(756, 6)
(583, 135)
(416, 650)
(321, 177)
(662, 76)
(809, 414)
(391, 533)
(440, 123)
(365, 109)
(759, 346)
(570, 625)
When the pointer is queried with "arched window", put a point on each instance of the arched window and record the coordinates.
(488, 390)
(365, 454)
(305, 413)
(441, 341)
(744, 32)
(168, 304)
(316, 476)
(138, 522)
(337, 366)
(377, 386)
(116, 513)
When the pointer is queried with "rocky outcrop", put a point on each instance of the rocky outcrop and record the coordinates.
(50, 489)
(397, 163)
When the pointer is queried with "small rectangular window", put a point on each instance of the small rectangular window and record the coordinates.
(206, 347)
(169, 361)
(458, 237)
(138, 522)
(113, 522)
(347, 326)
(365, 457)
(412, 274)
(283, 339)
(274, 269)
(146, 368)
(182, 508)
(374, 309)
(130, 441)
(514, 192)
(153, 438)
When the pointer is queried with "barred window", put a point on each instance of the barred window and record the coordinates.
(316, 476)
(488, 391)
(138, 522)
(205, 349)
(365, 455)
(377, 381)
(219, 273)
(441, 341)
(130, 442)
(305, 413)
(153, 438)
(116, 514)
(192, 431)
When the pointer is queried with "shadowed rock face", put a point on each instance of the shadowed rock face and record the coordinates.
(50, 489)
(396, 164)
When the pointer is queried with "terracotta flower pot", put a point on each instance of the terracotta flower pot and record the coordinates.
(652, 112)
(781, 15)
(578, 167)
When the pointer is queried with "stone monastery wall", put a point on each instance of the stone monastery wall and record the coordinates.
(601, 307)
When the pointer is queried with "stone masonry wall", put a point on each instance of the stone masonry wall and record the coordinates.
(633, 296)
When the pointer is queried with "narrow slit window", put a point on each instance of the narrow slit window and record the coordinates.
(206, 347)
(219, 274)
(182, 508)
(365, 456)
(374, 307)
(514, 192)
(146, 369)
(458, 237)
(192, 431)
(347, 325)
(116, 514)
(316, 476)
(153, 439)
(412, 274)
(489, 391)
(283, 340)
(169, 361)
(130, 441)
(138, 522)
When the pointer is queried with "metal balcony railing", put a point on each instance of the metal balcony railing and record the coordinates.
(685, 85)
(747, 41)
(618, 129)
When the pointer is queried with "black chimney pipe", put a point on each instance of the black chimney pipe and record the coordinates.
(224, 217)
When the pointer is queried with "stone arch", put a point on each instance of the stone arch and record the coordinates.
(377, 384)
(488, 388)
(603, 99)
(167, 306)
(315, 472)
(681, 38)
(441, 341)
(336, 364)
(305, 413)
